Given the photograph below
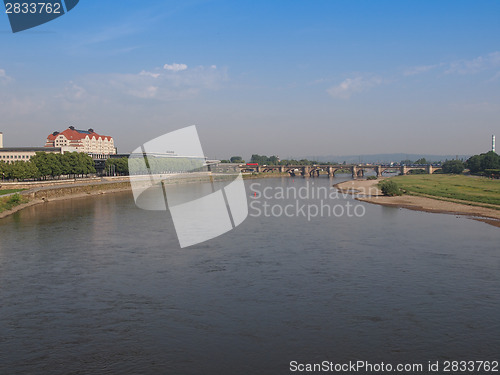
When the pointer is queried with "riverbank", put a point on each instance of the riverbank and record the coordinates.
(46, 194)
(369, 192)
(43, 192)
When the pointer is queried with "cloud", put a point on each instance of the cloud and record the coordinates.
(420, 69)
(462, 67)
(4, 78)
(17, 106)
(149, 74)
(159, 83)
(76, 92)
(176, 67)
(350, 86)
(476, 65)
(495, 77)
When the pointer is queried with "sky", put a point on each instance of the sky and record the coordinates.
(286, 78)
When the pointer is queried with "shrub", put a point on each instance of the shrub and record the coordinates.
(14, 199)
(495, 173)
(371, 178)
(6, 203)
(389, 188)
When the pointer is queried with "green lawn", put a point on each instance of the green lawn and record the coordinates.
(453, 187)
(3, 192)
(7, 203)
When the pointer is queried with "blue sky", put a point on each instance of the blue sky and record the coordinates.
(283, 77)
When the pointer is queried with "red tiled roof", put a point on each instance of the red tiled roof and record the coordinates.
(76, 135)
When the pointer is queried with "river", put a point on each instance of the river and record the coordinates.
(97, 286)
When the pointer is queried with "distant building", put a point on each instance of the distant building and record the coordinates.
(88, 141)
(12, 154)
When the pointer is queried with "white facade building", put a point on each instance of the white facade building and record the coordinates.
(86, 141)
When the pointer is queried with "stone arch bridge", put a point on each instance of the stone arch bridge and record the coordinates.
(357, 170)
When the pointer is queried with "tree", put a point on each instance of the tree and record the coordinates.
(86, 164)
(421, 161)
(122, 166)
(24, 170)
(453, 167)
(43, 164)
(478, 164)
(273, 160)
(256, 158)
(474, 164)
(73, 162)
(237, 159)
(490, 160)
(5, 170)
(119, 166)
(55, 165)
(263, 159)
(64, 164)
(32, 171)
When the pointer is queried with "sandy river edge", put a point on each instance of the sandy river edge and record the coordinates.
(368, 192)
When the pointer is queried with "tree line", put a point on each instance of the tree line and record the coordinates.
(485, 164)
(48, 165)
(117, 166)
(273, 160)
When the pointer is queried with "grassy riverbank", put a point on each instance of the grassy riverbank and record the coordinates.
(459, 188)
(8, 203)
(10, 191)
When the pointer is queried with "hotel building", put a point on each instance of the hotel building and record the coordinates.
(88, 141)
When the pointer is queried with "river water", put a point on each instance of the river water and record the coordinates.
(98, 286)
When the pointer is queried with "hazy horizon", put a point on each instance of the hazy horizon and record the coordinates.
(294, 78)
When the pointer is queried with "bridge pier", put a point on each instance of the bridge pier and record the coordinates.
(330, 171)
(403, 170)
(306, 171)
(378, 170)
(354, 171)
